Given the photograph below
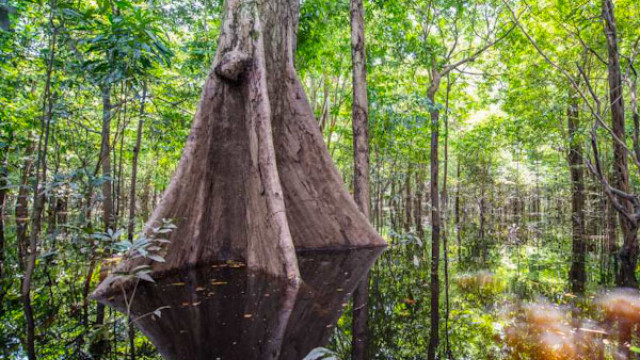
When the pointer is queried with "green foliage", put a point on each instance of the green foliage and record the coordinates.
(502, 122)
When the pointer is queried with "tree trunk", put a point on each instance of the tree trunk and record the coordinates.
(577, 274)
(445, 171)
(408, 200)
(361, 185)
(629, 252)
(38, 201)
(100, 347)
(22, 211)
(417, 207)
(612, 236)
(132, 203)
(457, 208)
(255, 182)
(3, 192)
(435, 221)
(134, 166)
(105, 158)
(481, 208)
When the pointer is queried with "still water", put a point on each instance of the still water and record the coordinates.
(224, 311)
(511, 303)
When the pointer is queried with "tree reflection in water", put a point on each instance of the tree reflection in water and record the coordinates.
(225, 311)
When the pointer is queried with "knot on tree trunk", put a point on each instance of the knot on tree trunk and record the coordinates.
(232, 65)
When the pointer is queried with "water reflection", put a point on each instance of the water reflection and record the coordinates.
(515, 305)
(224, 311)
(601, 328)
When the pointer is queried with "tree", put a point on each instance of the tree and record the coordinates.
(286, 194)
(629, 252)
(441, 61)
(577, 274)
(361, 192)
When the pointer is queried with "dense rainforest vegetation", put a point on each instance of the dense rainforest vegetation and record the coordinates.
(497, 151)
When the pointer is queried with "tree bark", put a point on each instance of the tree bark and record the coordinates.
(435, 220)
(457, 208)
(105, 158)
(417, 208)
(3, 192)
(100, 347)
(22, 211)
(255, 182)
(134, 166)
(361, 185)
(408, 200)
(38, 200)
(577, 273)
(445, 170)
(628, 254)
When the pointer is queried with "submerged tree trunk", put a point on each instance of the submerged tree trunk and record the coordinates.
(255, 182)
(628, 254)
(361, 186)
(577, 274)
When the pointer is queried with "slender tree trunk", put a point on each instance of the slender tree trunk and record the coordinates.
(408, 200)
(445, 171)
(3, 193)
(612, 236)
(457, 213)
(132, 339)
(134, 166)
(629, 252)
(418, 203)
(435, 220)
(99, 348)
(361, 185)
(445, 254)
(105, 158)
(38, 198)
(22, 212)
(577, 274)
(132, 202)
(482, 209)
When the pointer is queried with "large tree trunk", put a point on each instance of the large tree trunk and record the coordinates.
(577, 274)
(629, 252)
(255, 181)
(361, 186)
